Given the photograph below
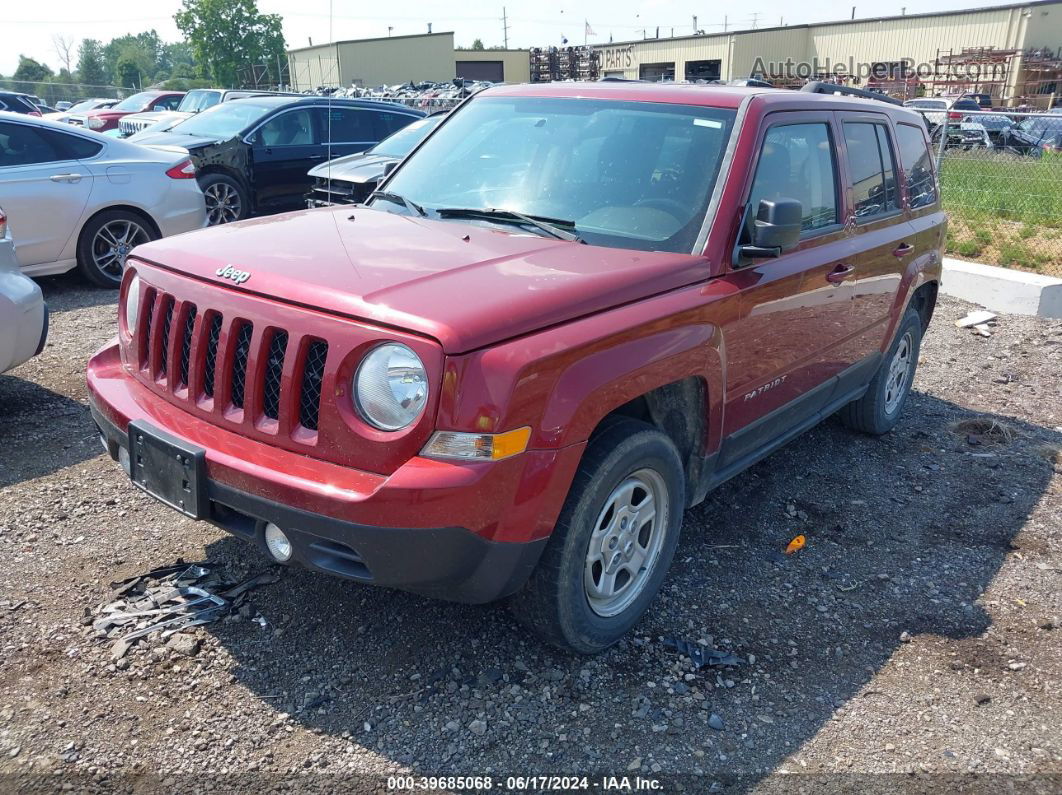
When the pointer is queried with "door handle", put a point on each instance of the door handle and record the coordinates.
(840, 273)
(315, 157)
(65, 178)
(902, 250)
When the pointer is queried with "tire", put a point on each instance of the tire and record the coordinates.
(226, 199)
(106, 241)
(565, 601)
(879, 409)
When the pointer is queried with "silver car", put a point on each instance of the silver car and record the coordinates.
(79, 199)
(23, 314)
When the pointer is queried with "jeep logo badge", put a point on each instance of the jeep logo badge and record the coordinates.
(229, 272)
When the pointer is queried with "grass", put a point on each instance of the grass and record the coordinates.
(1004, 209)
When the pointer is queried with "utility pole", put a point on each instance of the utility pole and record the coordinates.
(505, 28)
(755, 19)
(695, 24)
(725, 20)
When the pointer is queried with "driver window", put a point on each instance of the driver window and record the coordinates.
(294, 128)
(797, 162)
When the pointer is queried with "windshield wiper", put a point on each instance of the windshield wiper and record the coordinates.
(551, 226)
(394, 197)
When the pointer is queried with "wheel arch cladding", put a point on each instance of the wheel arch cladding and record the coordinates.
(924, 301)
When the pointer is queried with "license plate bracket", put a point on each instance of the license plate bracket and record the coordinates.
(169, 469)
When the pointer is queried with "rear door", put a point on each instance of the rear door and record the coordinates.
(883, 240)
(284, 148)
(45, 190)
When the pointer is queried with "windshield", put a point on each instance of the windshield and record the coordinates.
(222, 121)
(926, 103)
(136, 102)
(989, 120)
(199, 99)
(400, 144)
(625, 174)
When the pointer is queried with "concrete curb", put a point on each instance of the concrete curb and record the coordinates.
(1002, 289)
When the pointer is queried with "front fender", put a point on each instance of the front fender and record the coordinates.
(562, 381)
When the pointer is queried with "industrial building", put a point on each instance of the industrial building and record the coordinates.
(400, 59)
(1012, 52)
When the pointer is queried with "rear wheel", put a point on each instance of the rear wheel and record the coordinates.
(613, 543)
(226, 200)
(106, 241)
(879, 409)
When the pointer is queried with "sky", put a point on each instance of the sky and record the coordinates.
(29, 28)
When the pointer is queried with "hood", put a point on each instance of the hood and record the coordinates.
(162, 138)
(354, 168)
(465, 285)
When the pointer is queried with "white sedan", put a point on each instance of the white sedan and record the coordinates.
(79, 199)
(23, 315)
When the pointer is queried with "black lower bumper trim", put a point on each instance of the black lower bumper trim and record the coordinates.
(449, 563)
(44, 332)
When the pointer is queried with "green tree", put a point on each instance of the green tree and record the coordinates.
(133, 66)
(477, 44)
(31, 70)
(91, 69)
(143, 49)
(230, 35)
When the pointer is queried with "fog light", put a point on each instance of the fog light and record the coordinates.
(277, 543)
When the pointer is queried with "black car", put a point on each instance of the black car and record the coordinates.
(350, 179)
(1036, 135)
(16, 102)
(252, 155)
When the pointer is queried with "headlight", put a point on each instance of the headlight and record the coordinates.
(390, 387)
(132, 304)
(95, 123)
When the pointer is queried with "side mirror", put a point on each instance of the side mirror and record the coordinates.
(775, 229)
(390, 167)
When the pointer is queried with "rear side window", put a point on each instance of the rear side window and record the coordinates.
(347, 125)
(393, 122)
(870, 164)
(22, 145)
(917, 166)
(73, 147)
(797, 162)
(166, 103)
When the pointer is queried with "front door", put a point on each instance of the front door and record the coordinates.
(776, 375)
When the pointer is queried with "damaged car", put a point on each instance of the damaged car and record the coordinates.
(252, 155)
(350, 179)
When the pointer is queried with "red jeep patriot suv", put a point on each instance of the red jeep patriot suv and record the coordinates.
(570, 313)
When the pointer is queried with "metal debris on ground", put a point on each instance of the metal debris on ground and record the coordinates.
(169, 599)
(702, 655)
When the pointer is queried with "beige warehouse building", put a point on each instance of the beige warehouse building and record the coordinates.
(1009, 51)
(1013, 52)
(400, 59)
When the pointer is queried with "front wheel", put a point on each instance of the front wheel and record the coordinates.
(613, 543)
(879, 409)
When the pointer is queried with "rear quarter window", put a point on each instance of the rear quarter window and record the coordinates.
(871, 170)
(917, 166)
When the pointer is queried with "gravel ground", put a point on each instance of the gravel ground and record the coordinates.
(917, 632)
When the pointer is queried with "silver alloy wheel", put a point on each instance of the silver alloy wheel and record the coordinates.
(112, 244)
(899, 373)
(626, 543)
(223, 203)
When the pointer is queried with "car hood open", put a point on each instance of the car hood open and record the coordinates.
(466, 285)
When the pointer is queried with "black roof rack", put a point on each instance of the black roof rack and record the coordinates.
(818, 87)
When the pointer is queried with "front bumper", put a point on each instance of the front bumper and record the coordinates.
(462, 532)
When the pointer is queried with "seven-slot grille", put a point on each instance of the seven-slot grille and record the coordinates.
(171, 332)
